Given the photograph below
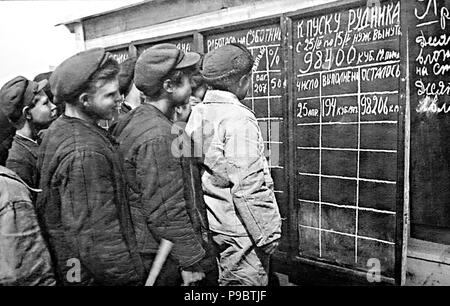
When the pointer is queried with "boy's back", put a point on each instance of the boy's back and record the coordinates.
(232, 144)
(242, 211)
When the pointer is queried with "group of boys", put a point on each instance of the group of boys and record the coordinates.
(106, 199)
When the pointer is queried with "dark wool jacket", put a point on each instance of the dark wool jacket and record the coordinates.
(5, 145)
(22, 159)
(155, 176)
(24, 256)
(197, 209)
(84, 206)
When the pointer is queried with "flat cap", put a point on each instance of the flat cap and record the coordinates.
(126, 75)
(17, 94)
(45, 76)
(73, 73)
(157, 62)
(225, 61)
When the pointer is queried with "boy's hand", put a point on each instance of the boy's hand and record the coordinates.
(270, 248)
(191, 277)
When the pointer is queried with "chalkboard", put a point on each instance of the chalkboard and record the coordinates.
(429, 45)
(346, 80)
(183, 43)
(264, 98)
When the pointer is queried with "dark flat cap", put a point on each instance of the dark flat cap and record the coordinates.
(72, 74)
(157, 62)
(126, 75)
(224, 61)
(45, 76)
(17, 94)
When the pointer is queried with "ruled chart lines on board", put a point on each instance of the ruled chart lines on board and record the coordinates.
(320, 172)
(348, 178)
(264, 76)
(349, 95)
(347, 123)
(348, 68)
(264, 97)
(348, 149)
(269, 126)
(388, 212)
(321, 121)
(358, 165)
(346, 234)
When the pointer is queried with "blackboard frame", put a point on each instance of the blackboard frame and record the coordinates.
(118, 47)
(131, 49)
(182, 35)
(403, 159)
(423, 225)
(241, 25)
(401, 205)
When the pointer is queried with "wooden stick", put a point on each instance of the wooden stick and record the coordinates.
(163, 251)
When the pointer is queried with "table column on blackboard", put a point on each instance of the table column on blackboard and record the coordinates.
(265, 96)
(347, 69)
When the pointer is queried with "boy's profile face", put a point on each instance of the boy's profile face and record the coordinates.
(43, 112)
(103, 103)
(182, 91)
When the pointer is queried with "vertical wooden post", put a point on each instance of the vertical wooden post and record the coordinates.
(78, 29)
(198, 42)
(132, 50)
(288, 114)
(403, 158)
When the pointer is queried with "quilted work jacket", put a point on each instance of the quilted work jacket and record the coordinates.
(237, 185)
(24, 257)
(155, 176)
(22, 159)
(84, 206)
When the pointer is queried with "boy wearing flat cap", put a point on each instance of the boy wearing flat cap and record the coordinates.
(84, 204)
(19, 228)
(131, 95)
(242, 211)
(35, 113)
(154, 173)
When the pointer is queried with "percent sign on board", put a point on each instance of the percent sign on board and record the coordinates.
(275, 56)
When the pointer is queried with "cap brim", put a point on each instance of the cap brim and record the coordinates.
(41, 85)
(189, 59)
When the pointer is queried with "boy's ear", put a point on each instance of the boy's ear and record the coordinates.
(26, 112)
(244, 80)
(83, 99)
(168, 86)
(178, 109)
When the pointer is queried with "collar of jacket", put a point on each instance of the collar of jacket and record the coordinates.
(223, 97)
(26, 139)
(125, 108)
(150, 107)
(93, 127)
(5, 172)
(27, 144)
